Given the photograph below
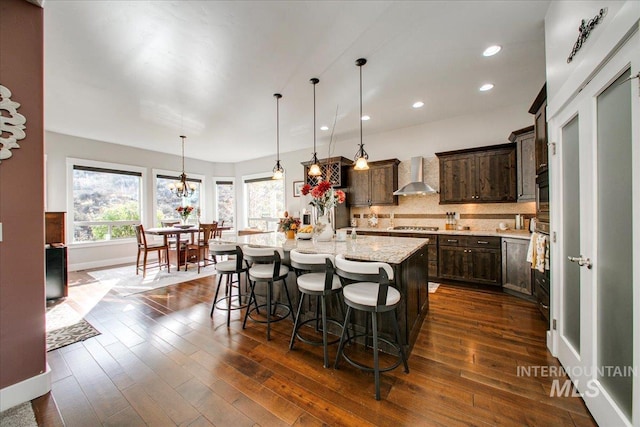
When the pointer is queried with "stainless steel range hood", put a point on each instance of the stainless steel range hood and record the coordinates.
(417, 185)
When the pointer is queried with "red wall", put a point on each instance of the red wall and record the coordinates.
(22, 292)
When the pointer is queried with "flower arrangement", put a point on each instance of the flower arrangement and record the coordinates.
(184, 212)
(288, 223)
(324, 196)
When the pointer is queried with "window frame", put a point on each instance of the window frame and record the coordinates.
(235, 198)
(71, 162)
(263, 176)
(203, 198)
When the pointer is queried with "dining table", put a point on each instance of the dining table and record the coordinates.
(178, 231)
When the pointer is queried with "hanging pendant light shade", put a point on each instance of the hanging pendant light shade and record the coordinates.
(361, 156)
(278, 170)
(314, 168)
(182, 188)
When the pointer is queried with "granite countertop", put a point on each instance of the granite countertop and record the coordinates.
(392, 250)
(516, 234)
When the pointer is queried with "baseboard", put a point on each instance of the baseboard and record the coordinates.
(26, 390)
(101, 263)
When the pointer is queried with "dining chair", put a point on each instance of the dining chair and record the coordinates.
(219, 230)
(172, 241)
(145, 248)
(200, 245)
(366, 288)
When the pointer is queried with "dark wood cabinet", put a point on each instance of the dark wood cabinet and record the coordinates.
(478, 175)
(526, 163)
(374, 186)
(470, 259)
(516, 271)
(334, 170)
(539, 110)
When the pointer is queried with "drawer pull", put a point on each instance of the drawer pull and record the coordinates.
(452, 241)
(546, 307)
(483, 242)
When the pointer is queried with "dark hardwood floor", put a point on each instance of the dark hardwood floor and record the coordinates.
(161, 360)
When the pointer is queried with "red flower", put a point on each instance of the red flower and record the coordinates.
(341, 196)
(305, 189)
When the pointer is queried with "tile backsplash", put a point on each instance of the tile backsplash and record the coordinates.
(426, 210)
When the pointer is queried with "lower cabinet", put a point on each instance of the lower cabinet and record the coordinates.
(470, 259)
(516, 271)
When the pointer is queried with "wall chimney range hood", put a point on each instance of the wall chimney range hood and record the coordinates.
(417, 185)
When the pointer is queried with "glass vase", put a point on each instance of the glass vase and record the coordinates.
(324, 229)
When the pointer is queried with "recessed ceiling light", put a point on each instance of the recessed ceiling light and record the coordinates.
(486, 87)
(418, 104)
(365, 118)
(324, 127)
(492, 50)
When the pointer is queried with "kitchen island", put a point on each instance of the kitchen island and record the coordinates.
(406, 255)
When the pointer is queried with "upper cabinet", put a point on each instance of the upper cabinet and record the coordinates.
(334, 170)
(374, 186)
(539, 110)
(526, 157)
(478, 175)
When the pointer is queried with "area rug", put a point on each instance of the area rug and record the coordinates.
(66, 326)
(19, 416)
(125, 281)
(433, 287)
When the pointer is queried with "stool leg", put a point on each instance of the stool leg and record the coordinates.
(402, 354)
(286, 291)
(295, 323)
(317, 313)
(376, 362)
(215, 298)
(341, 345)
(269, 285)
(324, 331)
(230, 288)
(252, 297)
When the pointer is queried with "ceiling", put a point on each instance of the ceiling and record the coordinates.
(142, 73)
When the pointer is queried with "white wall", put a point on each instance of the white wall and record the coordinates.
(489, 128)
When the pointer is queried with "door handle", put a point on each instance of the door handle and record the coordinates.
(581, 261)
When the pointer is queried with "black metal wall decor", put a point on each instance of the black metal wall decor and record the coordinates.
(584, 30)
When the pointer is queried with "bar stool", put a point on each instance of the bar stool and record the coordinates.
(226, 269)
(266, 266)
(315, 277)
(370, 293)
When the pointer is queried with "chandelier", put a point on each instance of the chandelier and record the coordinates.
(182, 188)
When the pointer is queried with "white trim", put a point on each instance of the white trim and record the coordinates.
(101, 263)
(25, 390)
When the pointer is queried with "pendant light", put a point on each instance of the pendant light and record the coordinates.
(182, 189)
(314, 169)
(278, 170)
(361, 155)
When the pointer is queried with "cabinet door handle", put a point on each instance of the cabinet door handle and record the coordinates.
(542, 165)
(546, 307)
(483, 242)
(452, 241)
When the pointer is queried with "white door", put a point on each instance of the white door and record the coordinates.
(595, 187)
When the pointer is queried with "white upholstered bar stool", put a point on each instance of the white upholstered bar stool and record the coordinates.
(266, 266)
(235, 265)
(316, 277)
(369, 291)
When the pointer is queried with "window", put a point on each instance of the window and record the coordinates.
(167, 202)
(265, 202)
(106, 203)
(225, 201)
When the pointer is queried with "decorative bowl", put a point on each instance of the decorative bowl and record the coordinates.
(305, 236)
(184, 227)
